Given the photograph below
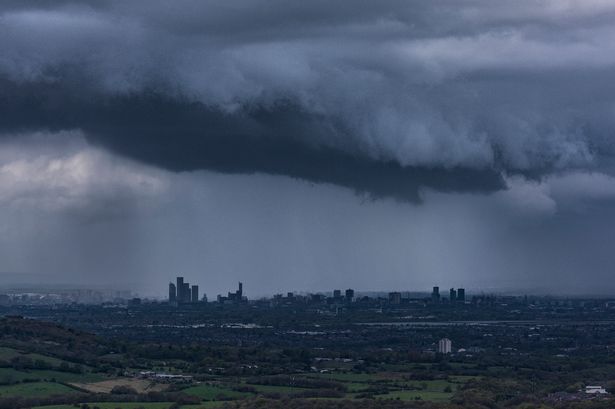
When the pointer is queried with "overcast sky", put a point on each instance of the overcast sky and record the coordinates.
(379, 145)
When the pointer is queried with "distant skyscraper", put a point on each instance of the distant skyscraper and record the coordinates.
(240, 291)
(444, 346)
(349, 294)
(337, 293)
(435, 295)
(195, 293)
(180, 289)
(172, 293)
(395, 298)
(461, 295)
(453, 295)
(186, 292)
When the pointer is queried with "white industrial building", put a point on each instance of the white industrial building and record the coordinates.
(595, 390)
(444, 346)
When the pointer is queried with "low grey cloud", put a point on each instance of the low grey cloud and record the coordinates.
(60, 174)
(385, 98)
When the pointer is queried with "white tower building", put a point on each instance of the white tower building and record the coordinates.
(444, 346)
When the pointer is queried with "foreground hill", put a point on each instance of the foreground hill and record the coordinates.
(52, 340)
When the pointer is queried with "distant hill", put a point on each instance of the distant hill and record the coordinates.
(45, 338)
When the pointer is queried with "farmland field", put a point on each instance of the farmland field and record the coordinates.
(10, 375)
(106, 386)
(209, 392)
(135, 405)
(34, 389)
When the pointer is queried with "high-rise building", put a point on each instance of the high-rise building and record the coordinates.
(395, 298)
(349, 294)
(240, 291)
(195, 294)
(453, 295)
(186, 295)
(435, 295)
(337, 293)
(444, 346)
(461, 295)
(172, 293)
(180, 289)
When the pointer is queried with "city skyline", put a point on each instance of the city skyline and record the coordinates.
(215, 288)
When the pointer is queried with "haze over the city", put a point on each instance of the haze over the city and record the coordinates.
(386, 145)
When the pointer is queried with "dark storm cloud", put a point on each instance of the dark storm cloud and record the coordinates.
(183, 135)
(382, 97)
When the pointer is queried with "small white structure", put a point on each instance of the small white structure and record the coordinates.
(164, 377)
(595, 390)
(444, 346)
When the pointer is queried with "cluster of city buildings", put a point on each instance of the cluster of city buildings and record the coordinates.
(236, 297)
(183, 292)
(337, 297)
(33, 296)
(455, 296)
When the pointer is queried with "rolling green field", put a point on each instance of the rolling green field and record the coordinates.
(434, 396)
(288, 390)
(6, 354)
(429, 390)
(135, 405)
(356, 384)
(115, 405)
(346, 377)
(10, 375)
(34, 389)
(209, 392)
